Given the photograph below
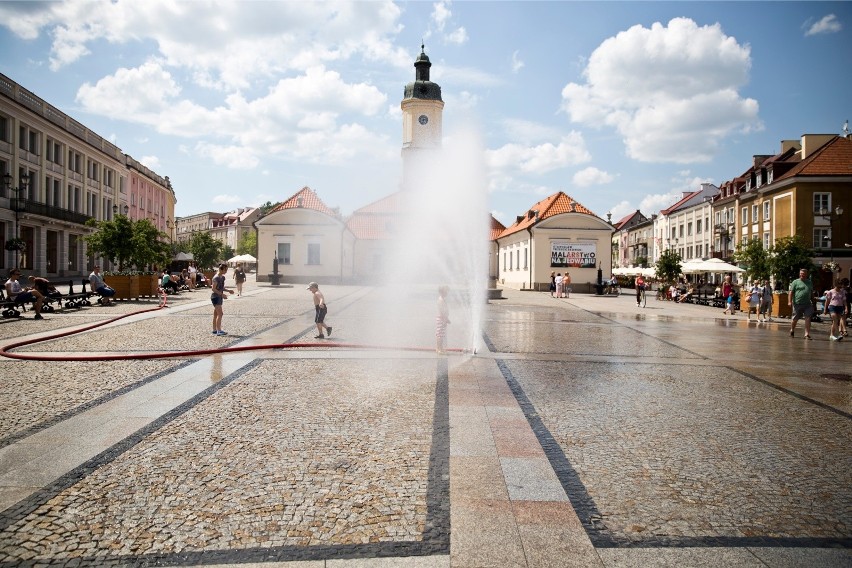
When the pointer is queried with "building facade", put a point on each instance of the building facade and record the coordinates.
(58, 175)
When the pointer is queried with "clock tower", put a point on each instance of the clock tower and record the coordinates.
(421, 119)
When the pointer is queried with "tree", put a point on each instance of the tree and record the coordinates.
(228, 252)
(112, 240)
(248, 244)
(205, 250)
(787, 257)
(150, 245)
(668, 266)
(755, 259)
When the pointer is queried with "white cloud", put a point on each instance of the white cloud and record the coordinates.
(458, 37)
(651, 204)
(227, 199)
(151, 162)
(670, 92)
(620, 210)
(528, 132)
(571, 150)
(233, 157)
(827, 25)
(591, 176)
(517, 64)
(441, 15)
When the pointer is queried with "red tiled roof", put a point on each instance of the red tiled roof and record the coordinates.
(834, 158)
(624, 219)
(496, 228)
(556, 204)
(309, 200)
(376, 220)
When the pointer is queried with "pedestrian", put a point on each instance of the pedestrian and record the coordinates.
(16, 293)
(566, 281)
(766, 301)
(558, 284)
(845, 283)
(191, 271)
(835, 306)
(754, 294)
(321, 311)
(217, 297)
(239, 278)
(728, 294)
(639, 282)
(800, 297)
(441, 321)
(98, 286)
(552, 284)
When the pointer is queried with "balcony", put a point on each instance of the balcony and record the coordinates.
(35, 208)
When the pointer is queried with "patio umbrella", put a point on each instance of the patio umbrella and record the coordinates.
(183, 256)
(719, 265)
(247, 258)
(694, 267)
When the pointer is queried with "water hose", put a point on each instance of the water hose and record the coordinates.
(5, 351)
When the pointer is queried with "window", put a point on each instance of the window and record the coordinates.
(680, 231)
(698, 251)
(54, 151)
(505, 266)
(4, 129)
(822, 238)
(93, 170)
(689, 229)
(745, 215)
(313, 253)
(73, 252)
(718, 217)
(822, 202)
(754, 210)
(766, 240)
(769, 176)
(28, 139)
(766, 211)
(731, 218)
(284, 253)
(75, 162)
(518, 259)
(526, 258)
(698, 227)
(744, 240)
(674, 232)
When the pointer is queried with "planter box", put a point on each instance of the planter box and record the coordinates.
(126, 287)
(148, 285)
(780, 307)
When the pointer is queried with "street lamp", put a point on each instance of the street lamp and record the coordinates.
(124, 209)
(16, 244)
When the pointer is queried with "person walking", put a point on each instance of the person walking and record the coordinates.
(441, 321)
(639, 282)
(191, 271)
(552, 284)
(321, 311)
(728, 294)
(754, 294)
(239, 278)
(835, 306)
(800, 297)
(558, 284)
(217, 297)
(766, 301)
(566, 282)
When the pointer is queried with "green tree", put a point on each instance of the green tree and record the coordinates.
(248, 244)
(228, 252)
(787, 257)
(112, 240)
(150, 246)
(668, 266)
(754, 258)
(205, 250)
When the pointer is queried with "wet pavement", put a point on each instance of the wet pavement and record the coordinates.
(587, 432)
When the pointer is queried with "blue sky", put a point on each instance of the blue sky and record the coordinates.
(622, 106)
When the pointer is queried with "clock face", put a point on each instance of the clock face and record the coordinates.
(423, 119)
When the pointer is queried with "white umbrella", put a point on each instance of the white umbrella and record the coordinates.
(247, 258)
(694, 267)
(719, 265)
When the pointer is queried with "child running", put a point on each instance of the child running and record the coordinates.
(441, 321)
(321, 311)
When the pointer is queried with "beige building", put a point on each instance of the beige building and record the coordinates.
(231, 228)
(557, 234)
(58, 174)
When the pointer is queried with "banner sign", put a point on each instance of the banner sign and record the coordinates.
(573, 255)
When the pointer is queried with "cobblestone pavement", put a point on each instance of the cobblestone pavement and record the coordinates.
(586, 433)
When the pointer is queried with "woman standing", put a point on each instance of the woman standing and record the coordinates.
(217, 297)
(835, 305)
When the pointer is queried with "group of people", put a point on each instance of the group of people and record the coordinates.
(836, 305)
(559, 284)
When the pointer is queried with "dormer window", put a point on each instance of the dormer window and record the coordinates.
(769, 176)
(757, 179)
(748, 184)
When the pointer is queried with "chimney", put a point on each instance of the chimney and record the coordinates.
(787, 144)
(813, 142)
(759, 159)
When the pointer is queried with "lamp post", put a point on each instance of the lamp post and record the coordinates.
(124, 209)
(17, 207)
(831, 216)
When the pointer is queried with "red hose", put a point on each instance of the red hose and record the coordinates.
(5, 351)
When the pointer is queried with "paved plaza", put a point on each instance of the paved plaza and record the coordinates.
(586, 432)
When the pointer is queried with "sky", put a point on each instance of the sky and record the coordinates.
(621, 105)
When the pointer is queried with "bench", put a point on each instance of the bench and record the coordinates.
(78, 299)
